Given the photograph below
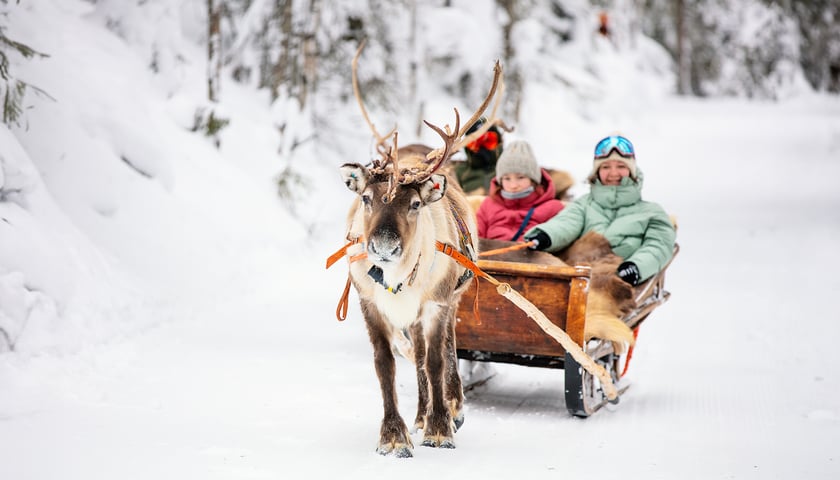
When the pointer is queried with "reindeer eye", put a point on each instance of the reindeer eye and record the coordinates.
(415, 205)
(366, 199)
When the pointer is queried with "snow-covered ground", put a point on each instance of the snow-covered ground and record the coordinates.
(180, 324)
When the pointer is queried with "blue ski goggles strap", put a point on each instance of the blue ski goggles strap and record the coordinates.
(619, 143)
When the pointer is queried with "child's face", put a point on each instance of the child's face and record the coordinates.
(515, 182)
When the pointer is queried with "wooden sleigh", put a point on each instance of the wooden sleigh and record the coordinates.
(501, 332)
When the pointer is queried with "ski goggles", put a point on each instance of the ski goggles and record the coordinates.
(488, 141)
(617, 143)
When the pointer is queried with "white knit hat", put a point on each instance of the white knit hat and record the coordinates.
(518, 158)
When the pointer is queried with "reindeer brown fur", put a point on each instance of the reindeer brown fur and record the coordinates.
(404, 210)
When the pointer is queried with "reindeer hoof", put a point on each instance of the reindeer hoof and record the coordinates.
(399, 452)
(459, 420)
(403, 452)
(438, 442)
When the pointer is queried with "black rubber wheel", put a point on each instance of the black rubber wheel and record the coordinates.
(584, 395)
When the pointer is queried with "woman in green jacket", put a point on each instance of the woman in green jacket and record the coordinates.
(640, 232)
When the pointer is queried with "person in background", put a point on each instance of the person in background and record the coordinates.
(475, 173)
(521, 196)
(603, 24)
(639, 231)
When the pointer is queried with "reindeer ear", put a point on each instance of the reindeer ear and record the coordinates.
(433, 189)
(355, 177)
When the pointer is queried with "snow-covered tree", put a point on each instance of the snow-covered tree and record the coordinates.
(727, 47)
(819, 43)
(12, 89)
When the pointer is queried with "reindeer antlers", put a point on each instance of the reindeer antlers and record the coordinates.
(448, 137)
(438, 156)
(497, 83)
(380, 140)
(453, 140)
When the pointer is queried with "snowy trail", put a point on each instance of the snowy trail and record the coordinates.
(261, 381)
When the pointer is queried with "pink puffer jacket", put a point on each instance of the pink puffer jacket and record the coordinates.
(500, 218)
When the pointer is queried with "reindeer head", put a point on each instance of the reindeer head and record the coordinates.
(393, 190)
(391, 210)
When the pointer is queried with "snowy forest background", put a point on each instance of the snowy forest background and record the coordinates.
(421, 59)
(169, 194)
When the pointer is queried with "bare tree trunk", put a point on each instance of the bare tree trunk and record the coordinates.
(513, 77)
(682, 62)
(310, 52)
(214, 48)
(413, 70)
(412, 46)
(281, 71)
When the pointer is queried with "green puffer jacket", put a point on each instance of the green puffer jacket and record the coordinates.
(638, 231)
(472, 179)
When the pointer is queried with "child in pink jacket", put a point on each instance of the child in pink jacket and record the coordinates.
(521, 196)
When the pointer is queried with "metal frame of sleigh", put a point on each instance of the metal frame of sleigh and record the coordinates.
(491, 329)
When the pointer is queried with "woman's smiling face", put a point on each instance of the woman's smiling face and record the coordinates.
(612, 171)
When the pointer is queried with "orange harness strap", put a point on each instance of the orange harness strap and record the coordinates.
(342, 251)
(341, 308)
(471, 266)
(512, 248)
(449, 250)
(464, 261)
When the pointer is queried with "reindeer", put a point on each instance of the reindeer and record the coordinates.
(406, 214)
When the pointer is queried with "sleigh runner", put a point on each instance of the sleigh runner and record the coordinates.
(491, 329)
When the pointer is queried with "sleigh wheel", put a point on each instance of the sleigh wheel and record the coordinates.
(584, 393)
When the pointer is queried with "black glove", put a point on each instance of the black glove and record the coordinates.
(629, 272)
(542, 238)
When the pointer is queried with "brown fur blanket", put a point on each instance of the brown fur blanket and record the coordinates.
(609, 299)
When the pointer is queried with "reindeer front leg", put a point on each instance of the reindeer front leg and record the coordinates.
(393, 434)
(438, 429)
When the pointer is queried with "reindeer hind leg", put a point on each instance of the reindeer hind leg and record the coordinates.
(419, 346)
(454, 387)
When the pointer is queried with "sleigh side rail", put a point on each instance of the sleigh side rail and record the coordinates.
(650, 295)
